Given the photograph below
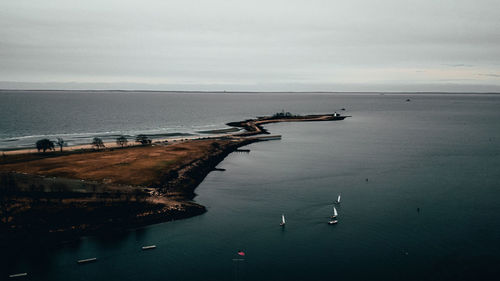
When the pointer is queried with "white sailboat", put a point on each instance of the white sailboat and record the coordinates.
(335, 214)
(333, 222)
(282, 223)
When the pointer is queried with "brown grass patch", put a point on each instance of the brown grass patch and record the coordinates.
(132, 166)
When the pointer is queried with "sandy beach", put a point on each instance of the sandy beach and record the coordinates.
(108, 145)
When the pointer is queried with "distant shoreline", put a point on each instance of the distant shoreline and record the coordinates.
(216, 133)
(263, 92)
(154, 183)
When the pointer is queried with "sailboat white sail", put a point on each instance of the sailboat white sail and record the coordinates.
(338, 200)
(334, 216)
(282, 223)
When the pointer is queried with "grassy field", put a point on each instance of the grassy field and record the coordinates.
(138, 166)
(80, 191)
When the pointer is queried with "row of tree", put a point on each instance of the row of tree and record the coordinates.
(46, 144)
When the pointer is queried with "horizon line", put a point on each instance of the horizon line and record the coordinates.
(250, 92)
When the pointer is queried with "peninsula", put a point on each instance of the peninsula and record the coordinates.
(82, 191)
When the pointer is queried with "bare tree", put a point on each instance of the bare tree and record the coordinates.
(60, 142)
(143, 139)
(97, 142)
(121, 141)
(44, 144)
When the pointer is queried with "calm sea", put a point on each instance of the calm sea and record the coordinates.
(420, 185)
(79, 116)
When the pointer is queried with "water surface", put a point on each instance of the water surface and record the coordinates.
(437, 153)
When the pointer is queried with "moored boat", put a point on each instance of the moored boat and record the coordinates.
(150, 247)
(18, 275)
(86, 260)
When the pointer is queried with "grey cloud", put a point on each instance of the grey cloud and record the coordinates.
(244, 42)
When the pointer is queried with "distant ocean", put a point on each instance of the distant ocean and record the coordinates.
(79, 116)
(419, 176)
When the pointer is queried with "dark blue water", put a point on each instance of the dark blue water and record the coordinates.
(437, 153)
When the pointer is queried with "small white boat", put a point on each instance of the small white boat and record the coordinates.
(151, 247)
(335, 214)
(18, 275)
(333, 222)
(338, 200)
(282, 223)
(87, 260)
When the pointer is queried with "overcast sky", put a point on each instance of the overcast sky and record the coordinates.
(288, 45)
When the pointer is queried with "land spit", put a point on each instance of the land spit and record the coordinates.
(85, 191)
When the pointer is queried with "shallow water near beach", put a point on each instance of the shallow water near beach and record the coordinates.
(420, 183)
